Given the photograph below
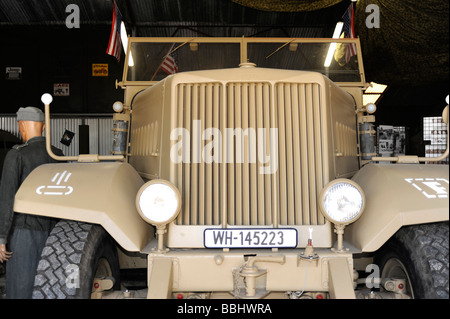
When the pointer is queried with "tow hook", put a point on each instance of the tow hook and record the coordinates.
(250, 273)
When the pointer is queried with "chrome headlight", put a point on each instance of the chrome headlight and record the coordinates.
(342, 201)
(158, 202)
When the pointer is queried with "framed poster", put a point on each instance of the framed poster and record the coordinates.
(13, 73)
(100, 69)
(61, 89)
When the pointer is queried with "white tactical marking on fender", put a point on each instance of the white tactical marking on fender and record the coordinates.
(56, 188)
(430, 187)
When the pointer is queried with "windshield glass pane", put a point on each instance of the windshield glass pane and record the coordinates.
(307, 57)
(152, 63)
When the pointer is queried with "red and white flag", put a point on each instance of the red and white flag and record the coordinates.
(115, 44)
(349, 32)
(169, 65)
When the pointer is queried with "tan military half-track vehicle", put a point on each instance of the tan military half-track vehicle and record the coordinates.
(248, 172)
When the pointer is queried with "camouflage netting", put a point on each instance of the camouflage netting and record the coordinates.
(287, 5)
(410, 48)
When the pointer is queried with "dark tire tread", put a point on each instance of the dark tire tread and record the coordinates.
(68, 260)
(423, 249)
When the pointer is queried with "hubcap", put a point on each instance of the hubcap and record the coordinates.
(394, 268)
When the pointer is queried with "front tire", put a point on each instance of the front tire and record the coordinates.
(418, 254)
(75, 252)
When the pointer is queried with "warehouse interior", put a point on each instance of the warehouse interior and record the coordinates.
(408, 51)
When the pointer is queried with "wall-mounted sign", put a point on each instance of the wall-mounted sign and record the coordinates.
(13, 73)
(100, 69)
(61, 89)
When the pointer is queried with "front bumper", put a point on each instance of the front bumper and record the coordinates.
(250, 273)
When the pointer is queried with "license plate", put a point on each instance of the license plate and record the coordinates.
(250, 238)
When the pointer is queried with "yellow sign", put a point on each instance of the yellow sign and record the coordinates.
(100, 69)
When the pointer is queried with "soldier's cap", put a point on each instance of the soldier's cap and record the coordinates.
(30, 113)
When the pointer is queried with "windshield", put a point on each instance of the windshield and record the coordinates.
(153, 61)
(306, 57)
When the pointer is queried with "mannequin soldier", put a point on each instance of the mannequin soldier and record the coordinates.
(25, 234)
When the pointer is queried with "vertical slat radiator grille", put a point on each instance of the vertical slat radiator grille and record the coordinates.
(234, 169)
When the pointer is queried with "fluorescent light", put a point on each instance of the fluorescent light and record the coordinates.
(373, 93)
(336, 34)
(124, 38)
(330, 54)
(370, 98)
(375, 88)
(338, 30)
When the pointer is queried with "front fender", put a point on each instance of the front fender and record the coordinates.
(99, 193)
(398, 195)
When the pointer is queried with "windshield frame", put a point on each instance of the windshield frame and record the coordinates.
(244, 44)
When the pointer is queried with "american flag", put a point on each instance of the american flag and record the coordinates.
(349, 32)
(115, 44)
(169, 65)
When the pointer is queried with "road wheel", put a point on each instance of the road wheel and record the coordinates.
(418, 254)
(75, 254)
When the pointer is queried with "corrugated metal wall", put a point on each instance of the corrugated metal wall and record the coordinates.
(100, 134)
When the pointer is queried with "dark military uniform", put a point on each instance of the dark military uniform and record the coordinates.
(25, 234)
